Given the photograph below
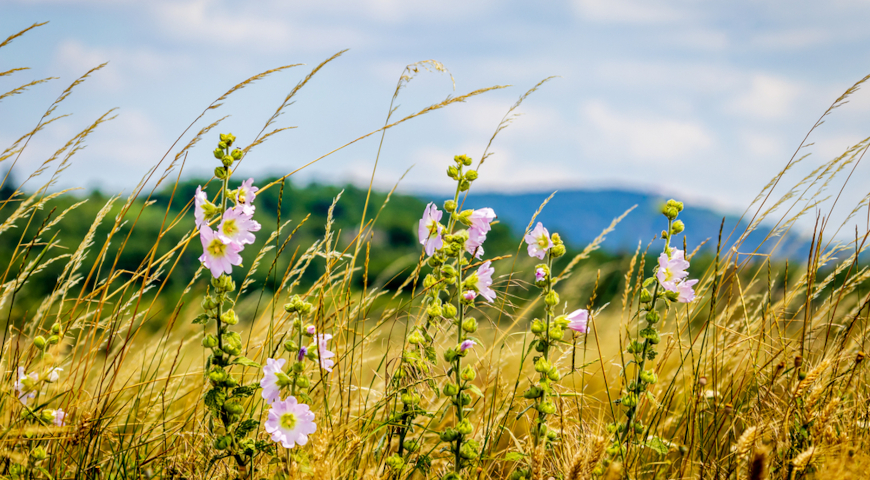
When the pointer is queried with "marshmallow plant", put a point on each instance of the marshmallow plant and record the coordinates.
(451, 291)
(669, 283)
(224, 230)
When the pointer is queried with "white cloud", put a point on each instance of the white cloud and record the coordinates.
(763, 146)
(631, 11)
(767, 97)
(641, 137)
(790, 39)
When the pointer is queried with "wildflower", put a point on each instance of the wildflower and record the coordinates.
(53, 375)
(203, 209)
(481, 219)
(325, 355)
(474, 244)
(236, 226)
(540, 274)
(302, 352)
(219, 255)
(270, 382)
(469, 295)
(539, 241)
(245, 196)
(290, 422)
(672, 268)
(577, 320)
(484, 281)
(310, 329)
(466, 344)
(58, 417)
(25, 385)
(429, 230)
(685, 291)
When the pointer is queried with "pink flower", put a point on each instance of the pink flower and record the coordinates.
(429, 230)
(290, 422)
(672, 268)
(269, 383)
(58, 417)
(25, 384)
(469, 295)
(325, 355)
(474, 244)
(310, 329)
(236, 226)
(685, 291)
(245, 196)
(577, 320)
(481, 219)
(484, 281)
(540, 274)
(201, 204)
(539, 241)
(466, 344)
(219, 254)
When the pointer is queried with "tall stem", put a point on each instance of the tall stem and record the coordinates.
(456, 368)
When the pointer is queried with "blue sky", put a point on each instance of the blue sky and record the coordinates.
(702, 100)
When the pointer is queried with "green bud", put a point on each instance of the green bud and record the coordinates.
(467, 374)
(56, 328)
(542, 365)
(434, 310)
(557, 251)
(46, 415)
(428, 281)
(677, 227)
(469, 450)
(450, 355)
(464, 399)
(409, 398)
(230, 317)
(552, 435)
(435, 261)
(464, 185)
(651, 335)
(556, 333)
(450, 205)
(533, 392)
(227, 161)
(538, 326)
(649, 377)
(471, 175)
(233, 407)
(283, 379)
(465, 218)
(415, 338)
(645, 296)
(237, 154)
(541, 345)
(652, 316)
(561, 321)
(451, 389)
(209, 341)
(675, 204)
(217, 376)
(670, 212)
(672, 296)
(298, 367)
(218, 153)
(222, 173)
(449, 435)
(290, 346)
(469, 325)
(53, 340)
(466, 160)
(38, 454)
(448, 310)
(547, 407)
(222, 442)
(552, 298)
(302, 381)
(553, 374)
(39, 342)
(395, 462)
(225, 283)
(412, 445)
(465, 427)
(629, 400)
(453, 172)
(222, 145)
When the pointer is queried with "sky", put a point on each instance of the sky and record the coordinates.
(704, 101)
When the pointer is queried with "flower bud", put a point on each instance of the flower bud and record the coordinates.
(222, 173)
(464, 185)
(434, 310)
(222, 442)
(209, 341)
(451, 389)
(553, 374)
(56, 328)
(645, 296)
(547, 407)
(538, 326)
(467, 374)
(471, 175)
(302, 381)
(629, 400)
(670, 212)
(675, 204)
(283, 379)
(38, 453)
(412, 445)
(542, 365)
(533, 392)
(453, 172)
(448, 310)
(230, 317)
(395, 462)
(450, 355)
(449, 435)
(552, 435)
(469, 325)
(218, 153)
(465, 427)
(233, 407)
(237, 154)
(409, 398)
(465, 159)
(649, 377)
(552, 298)
(652, 316)
(677, 227)
(217, 376)
(557, 251)
(556, 333)
(450, 206)
(651, 335)
(222, 145)
(465, 219)
(208, 303)
(39, 342)
(226, 284)
(415, 338)
(464, 399)
(53, 340)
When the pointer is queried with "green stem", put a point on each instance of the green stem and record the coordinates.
(456, 368)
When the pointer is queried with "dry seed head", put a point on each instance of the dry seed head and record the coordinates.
(746, 441)
(758, 464)
(811, 378)
(614, 472)
(804, 458)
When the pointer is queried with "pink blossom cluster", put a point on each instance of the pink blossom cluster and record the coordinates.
(221, 247)
(672, 275)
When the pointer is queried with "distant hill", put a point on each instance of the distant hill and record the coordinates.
(580, 216)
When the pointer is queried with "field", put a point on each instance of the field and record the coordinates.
(236, 328)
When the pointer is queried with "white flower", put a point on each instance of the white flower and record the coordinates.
(25, 385)
(53, 375)
(290, 422)
(269, 383)
(59, 417)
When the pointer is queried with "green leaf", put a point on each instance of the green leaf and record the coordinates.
(246, 362)
(474, 389)
(657, 444)
(246, 427)
(245, 390)
(514, 457)
(201, 319)
(648, 281)
(214, 399)
(431, 355)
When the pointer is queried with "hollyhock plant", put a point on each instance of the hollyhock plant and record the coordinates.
(289, 422)
(539, 241)
(484, 281)
(429, 230)
(245, 196)
(325, 355)
(219, 254)
(236, 227)
(672, 268)
(203, 209)
(685, 291)
(270, 383)
(474, 244)
(577, 320)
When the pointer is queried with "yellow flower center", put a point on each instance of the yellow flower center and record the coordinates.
(230, 228)
(543, 242)
(433, 228)
(288, 421)
(217, 248)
